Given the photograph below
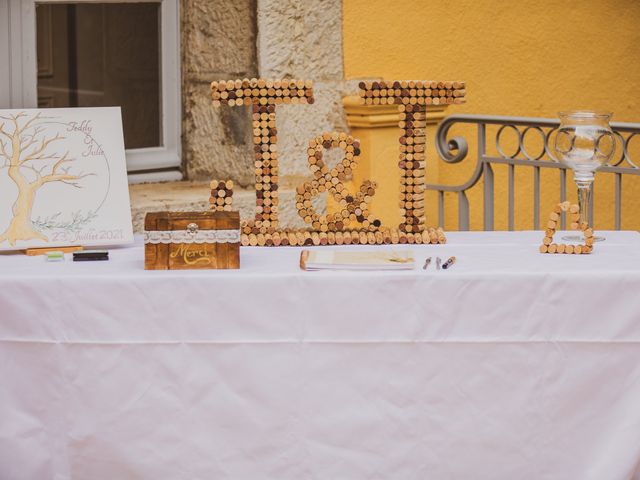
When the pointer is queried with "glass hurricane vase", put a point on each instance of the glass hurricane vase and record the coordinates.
(584, 143)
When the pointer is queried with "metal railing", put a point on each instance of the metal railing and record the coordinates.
(456, 149)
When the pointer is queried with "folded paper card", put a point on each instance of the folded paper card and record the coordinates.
(63, 178)
(372, 260)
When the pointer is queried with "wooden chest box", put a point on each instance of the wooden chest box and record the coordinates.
(191, 240)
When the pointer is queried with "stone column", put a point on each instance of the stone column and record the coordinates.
(218, 41)
(303, 39)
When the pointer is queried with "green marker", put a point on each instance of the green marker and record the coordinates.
(55, 256)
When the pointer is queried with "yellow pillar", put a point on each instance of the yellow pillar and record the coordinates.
(376, 126)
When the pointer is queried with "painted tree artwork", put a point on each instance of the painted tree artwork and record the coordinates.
(24, 144)
(62, 178)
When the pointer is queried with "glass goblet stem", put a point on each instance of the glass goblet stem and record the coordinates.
(585, 185)
(584, 181)
(584, 198)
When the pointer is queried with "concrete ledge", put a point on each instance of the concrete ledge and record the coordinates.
(186, 196)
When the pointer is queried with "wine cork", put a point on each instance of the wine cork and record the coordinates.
(293, 239)
(268, 240)
(277, 240)
(331, 238)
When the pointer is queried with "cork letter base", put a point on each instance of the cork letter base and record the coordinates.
(221, 195)
(574, 211)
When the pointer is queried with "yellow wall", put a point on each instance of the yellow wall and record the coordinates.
(518, 57)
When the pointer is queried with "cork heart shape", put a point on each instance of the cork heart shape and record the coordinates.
(573, 210)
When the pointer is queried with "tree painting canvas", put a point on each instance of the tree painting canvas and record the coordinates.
(63, 178)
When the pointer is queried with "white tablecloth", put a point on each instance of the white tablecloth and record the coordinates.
(510, 365)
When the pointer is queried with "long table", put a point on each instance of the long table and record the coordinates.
(509, 365)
